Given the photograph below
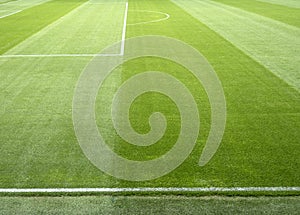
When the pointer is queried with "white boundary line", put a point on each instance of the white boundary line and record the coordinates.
(124, 30)
(10, 14)
(58, 55)
(150, 189)
(122, 49)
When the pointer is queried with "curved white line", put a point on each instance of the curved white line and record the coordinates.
(167, 16)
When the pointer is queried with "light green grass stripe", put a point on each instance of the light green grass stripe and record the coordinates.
(278, 12)
(15, 29)
(82, 31)
(273, 44)
(39, 148)
(149, 205)
(6, 1)
(36, 100)
(87, 29)
(288, 3)
(12, 6)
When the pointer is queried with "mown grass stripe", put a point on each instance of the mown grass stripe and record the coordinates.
(260, 146)
(48, 83)
(288, 3)
(257, 101)
(278, 12)
(105, 204)
(1, 17)
(273, 44)
(12, 6)
(76, 34)
(6, 1)
(32, 20)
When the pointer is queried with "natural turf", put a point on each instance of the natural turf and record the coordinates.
(14, 29)
(38, 145)
(79, 32)
(273, 44)
(288, 3)
(9, 7)
(146, 205)
(277, 12)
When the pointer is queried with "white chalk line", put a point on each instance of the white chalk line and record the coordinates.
(58, 55)
(122, 48)
(110, 3)
(167, 16)
(150, 189)
(9, 2)
(10, 14)
(124, 30)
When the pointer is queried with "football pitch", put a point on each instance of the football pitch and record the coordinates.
(150, 97)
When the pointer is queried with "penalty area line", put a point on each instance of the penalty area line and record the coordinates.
(150, 189)
(122, 48)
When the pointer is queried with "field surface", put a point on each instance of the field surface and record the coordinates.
(253, 47)
(149, 205)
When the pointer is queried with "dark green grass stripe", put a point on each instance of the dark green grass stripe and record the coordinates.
(277, 12)
(149, 205)
(16, 28)
(262, 110)
(260, 146)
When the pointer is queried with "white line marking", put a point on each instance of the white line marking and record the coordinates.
(57, 55)
(167, 16)
(9, 2)
(150, 189)
(110, 3)
(124, 30)
(10, 14)
(79, 55)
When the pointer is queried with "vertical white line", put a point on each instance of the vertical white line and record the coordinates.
(124, 30)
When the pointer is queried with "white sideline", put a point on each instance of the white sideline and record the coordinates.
(58, 55)
(10, 14)
(149, 189)
(122, 49)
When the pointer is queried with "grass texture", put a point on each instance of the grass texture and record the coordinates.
(38, 144)
(288, 3)
(15, 29)
(152, 205)
(10, 6)
(274, 45)
(280, 13)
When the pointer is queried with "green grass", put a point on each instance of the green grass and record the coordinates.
(268, 42)
(38, 144)
(15, 29)
(79, 32)
(277, 12)
(288, 3)
(6, 1)
(10, 7)
(146, 205)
